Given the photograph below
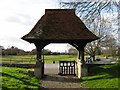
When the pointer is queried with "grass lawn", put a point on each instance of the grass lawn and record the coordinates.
(30, 59)
(19, 59)
(106, 76)
(17, 78)
(101, 77)
(50, 58)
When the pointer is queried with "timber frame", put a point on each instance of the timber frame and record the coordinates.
(59, 26)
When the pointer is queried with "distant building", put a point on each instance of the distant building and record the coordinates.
(1, 47)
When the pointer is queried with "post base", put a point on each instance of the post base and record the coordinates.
(81, 70)
(38, 69)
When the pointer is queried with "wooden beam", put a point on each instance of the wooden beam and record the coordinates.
(74, 45)
(39, 47)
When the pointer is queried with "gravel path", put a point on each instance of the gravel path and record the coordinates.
(53, 80)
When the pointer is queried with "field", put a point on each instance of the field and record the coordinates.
(30, 59)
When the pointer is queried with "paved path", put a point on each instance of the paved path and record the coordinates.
(104, 61)
(53, 80)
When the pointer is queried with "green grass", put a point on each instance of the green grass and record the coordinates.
(101, 77)
(19, 59)
(106, 76)
(18, 78)
(30, 59)
(50, 58)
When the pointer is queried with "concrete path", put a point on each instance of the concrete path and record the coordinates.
(53, 80)
(104, 61)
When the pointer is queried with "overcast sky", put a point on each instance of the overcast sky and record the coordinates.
(18, 17)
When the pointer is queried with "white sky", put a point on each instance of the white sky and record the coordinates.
(17, 18)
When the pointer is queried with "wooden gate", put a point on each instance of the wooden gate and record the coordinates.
(67, 68)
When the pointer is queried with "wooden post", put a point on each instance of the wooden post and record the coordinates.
(79, 54)
(74, 68)
(43, 62)
(82, 69)
(66, 67)
(82, 56)
(83, 66)
(39, 69)
(38, 53)
(43, 68)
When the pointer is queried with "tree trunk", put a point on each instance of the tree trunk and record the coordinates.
(93, 57)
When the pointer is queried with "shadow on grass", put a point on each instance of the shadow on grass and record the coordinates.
(18, 65)
(104, 72)
(99, 77)
(26, 80)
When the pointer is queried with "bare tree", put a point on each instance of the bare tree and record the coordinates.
(99, 27)
(99, 17)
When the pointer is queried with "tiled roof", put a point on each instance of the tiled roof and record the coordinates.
(60, 24)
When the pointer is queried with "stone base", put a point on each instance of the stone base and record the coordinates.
(81, 70)
(84, 71)
(38, 69)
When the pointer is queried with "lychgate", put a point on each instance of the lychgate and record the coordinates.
(59, 26)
